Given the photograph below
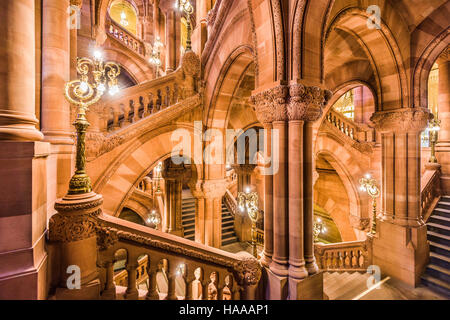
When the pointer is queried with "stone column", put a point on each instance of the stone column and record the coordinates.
(296, 111)
(23, 161)
(171, 41)
(400, 247)
(443, 145)
(200, 33)
(156, 19)
(208, 217)
(17, 62)
(173, 179)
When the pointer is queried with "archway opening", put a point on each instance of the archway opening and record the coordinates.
(124, 13)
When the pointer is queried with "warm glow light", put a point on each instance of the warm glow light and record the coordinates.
(84, 87)
(247, 190)
(101, 87)
(113, 90)
(368, 176)
(98, 54)
(319, 220)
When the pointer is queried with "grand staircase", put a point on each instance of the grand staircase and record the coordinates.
(228, 233)
(188, 220)
(437, 274)
(188, 215)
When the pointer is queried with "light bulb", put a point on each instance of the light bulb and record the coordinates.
(83, 87)
(368, 176)
(97, 54)
(101, 87)
(247, 190)
(113, 90)
(123, 16)
(319, 220)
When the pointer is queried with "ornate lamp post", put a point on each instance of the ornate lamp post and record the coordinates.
(83, 92)
(158, 176)
(186, 7)
(155, 57)
(370, 185)
(433, 129)
(248, 201)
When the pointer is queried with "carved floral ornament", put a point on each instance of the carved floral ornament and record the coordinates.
(294, 102)
(402, 120)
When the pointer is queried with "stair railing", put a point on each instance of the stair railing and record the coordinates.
(208, 273)
(344, 256)
(126, 38)
(231, 203)
(431, 191)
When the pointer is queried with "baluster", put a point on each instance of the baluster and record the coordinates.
(110, 287)
(117, 111)
(152, 269)
(175, 93)
(360, 259)
(352, 133)
(346, 130)
(171, 295)
(213, 291)
(142, 111)
(167, 102)
(340, 259)
(346, 260)
(328, 260)
(131, 293)
(227, 288)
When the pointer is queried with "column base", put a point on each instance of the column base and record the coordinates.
(90, 291)
(310, 288)
(277, 286)
(401, 252)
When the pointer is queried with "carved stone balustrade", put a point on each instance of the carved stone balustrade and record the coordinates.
(208, 273)
(344, 256)
(120, 34)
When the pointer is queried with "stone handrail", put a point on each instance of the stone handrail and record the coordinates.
(231, 203)
(117, 32)
(360, 136)
(344, 256)
(221, 275)
(137, 102)
(431, 191)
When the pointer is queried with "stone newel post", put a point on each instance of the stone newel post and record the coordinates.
(74, 229)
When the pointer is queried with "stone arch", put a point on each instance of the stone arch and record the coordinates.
(384, 55)
(135, 162)
(428, 40)
(349, 170)
(228, 81)
(139, 71)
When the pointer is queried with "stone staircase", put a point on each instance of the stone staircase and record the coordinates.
(437, 273)
(188, 220)
(188, 215)
(344, 285)
(228, 233)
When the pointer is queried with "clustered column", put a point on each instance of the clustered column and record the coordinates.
(288, 246)
(400, 133)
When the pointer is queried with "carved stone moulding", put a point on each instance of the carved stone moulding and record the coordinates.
(76, 218)
(270, 104)
(208, 188)
(402, 120)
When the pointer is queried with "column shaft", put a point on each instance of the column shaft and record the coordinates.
(296, 259)
(280, 210)
(17, 62)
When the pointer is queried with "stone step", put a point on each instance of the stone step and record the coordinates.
(439, 228)
(229, 241)
(438, 272)
(436, 285)
(441, 212)
(444, 204)
(439, 260)
(438, 238)
(439, 220)
(440, 249)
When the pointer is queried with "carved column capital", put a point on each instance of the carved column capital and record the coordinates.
(306, 102)
(208, 189)
(359, 223)
(270, 104)
(402, 120)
